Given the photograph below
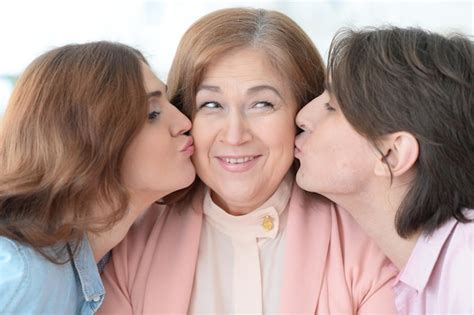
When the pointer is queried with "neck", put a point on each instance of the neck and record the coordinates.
(243, 207)
(102, 242)
(235, 208)
(375, 213)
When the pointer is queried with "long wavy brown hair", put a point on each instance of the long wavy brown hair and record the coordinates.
(69, 121)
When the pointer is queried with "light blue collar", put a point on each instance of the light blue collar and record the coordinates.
(88, 273)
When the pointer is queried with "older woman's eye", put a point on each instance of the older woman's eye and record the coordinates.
(263, 104)
(210, 105)
(153, 115)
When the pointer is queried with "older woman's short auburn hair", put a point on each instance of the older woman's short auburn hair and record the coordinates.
(72, 115)
(393, 79)
(288, 47)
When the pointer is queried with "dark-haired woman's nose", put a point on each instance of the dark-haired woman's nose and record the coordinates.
(309, 114)
(301, 120)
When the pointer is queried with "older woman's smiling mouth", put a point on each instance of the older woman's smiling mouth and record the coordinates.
(238, 163)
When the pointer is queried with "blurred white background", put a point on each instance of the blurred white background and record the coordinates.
(30, 27)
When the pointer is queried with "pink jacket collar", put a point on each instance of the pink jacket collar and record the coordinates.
(177, 249)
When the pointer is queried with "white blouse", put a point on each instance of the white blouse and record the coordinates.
(240, 259)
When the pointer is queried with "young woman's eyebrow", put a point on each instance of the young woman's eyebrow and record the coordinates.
(156, 93)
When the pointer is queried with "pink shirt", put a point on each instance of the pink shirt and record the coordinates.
(439, 275)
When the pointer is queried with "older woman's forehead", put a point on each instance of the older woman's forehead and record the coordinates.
(241, 61)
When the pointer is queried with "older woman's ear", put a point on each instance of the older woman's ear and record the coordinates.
(398, 154)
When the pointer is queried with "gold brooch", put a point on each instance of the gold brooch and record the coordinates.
(267, 223)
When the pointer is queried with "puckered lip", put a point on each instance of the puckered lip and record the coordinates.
(189, 143)
(297, 151)
(297, 143)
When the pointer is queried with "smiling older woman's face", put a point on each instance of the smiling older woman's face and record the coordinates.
(243, 130)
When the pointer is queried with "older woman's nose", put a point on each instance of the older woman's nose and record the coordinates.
(236, 130)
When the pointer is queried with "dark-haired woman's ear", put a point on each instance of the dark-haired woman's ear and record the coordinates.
(399, 152)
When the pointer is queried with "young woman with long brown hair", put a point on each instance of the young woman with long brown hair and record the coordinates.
(88, 141)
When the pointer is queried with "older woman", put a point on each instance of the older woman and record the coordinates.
(399, 110)
(89, 141)
(247, 240)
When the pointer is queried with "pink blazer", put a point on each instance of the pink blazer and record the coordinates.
(330, 265)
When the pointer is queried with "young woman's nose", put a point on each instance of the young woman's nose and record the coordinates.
(180, 123)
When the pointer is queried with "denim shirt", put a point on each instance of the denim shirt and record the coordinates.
(31, 284)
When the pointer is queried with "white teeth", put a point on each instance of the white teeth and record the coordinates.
(238, 160)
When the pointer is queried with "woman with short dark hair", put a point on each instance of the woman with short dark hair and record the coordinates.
(391, 139)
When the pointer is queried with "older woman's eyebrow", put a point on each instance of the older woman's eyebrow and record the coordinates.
(212, 88)
(263, 87)
(156, 93)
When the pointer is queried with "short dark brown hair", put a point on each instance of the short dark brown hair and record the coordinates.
(288, 48)
(69, 121)
(393, 79)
